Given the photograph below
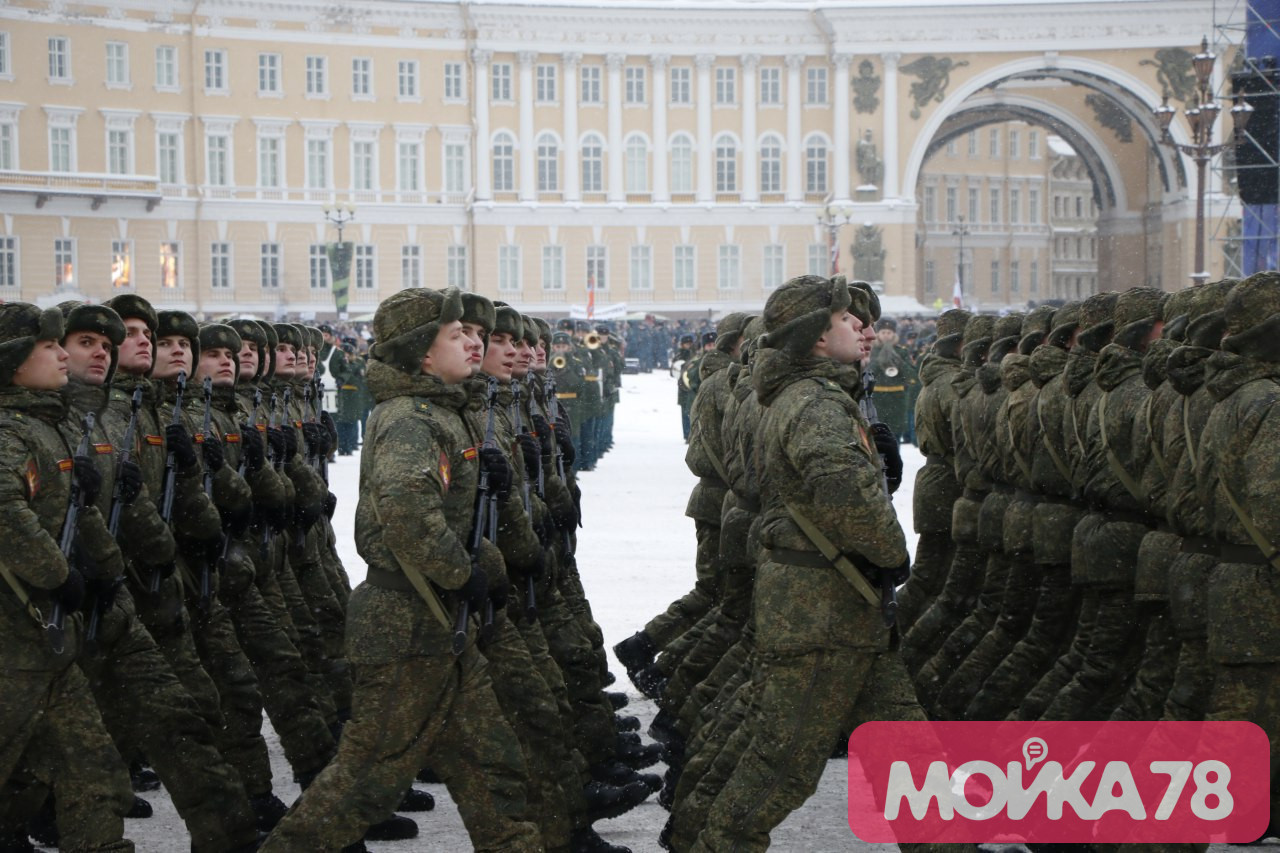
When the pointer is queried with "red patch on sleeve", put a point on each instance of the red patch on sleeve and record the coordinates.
(470, 453)
(232, 438)
(65, 464)
(446, 472)
(155, 440)
(103, 448)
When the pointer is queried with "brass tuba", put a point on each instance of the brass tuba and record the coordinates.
(559, 362)
(592, 340)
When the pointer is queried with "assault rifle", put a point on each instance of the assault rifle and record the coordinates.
(206, 581)
(170, 475)
(67, 541)
(485, 526)
(555, 409)
(888, 593)
(276, 462)
(117, 505)
(530, 594)
(322, 459)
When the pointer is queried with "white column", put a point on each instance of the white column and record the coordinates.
(891, 176)
(569, 98)
(840, 121)
(659, 106)
(750, 150)
(528, 174)
(617, 191)
(795, 160)
(706, 182)
(484, 169)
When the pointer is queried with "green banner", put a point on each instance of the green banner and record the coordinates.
(340, 266)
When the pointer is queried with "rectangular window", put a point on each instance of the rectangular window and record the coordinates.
(166, 67)
(501, 81)
(1033, 144)
(951, 204)
(993, 143)
(362, 165)
(930, 204)
(365, 267)
(774, 266)
(729, 275)
(642, 268)
(8, 146)
(59, 58)
(819, 259)
(9, 262)
(1015, 283)
(317, 164)
(168, 156)
(215, 71)
(318, 266)
(973, 143)
(684, 274)
(951, 147)
(121, 264)
(995, 277)
(930, 278)
(994, 211)
(545, 83)
(117, 63)
(64, 263)
(317, 76)
(634, 85)
(119, 145)
(973, 205)
(456, 267)
(6, 65)
(1033, 278)
(681, 85)
(454, 82)
(61, 150)
(509, 268)
(726, 86)
(407, 78)
(597, 268)
(1033, 206)
(361, 78)
(268, 74)
(409, 158)
(455, 166)
(169, 271)
(270, 266)
(770, 85)
(1015, 206)
(816, 88)
(590, 84)
(553, 267)
(410, 267)
(220, 266)
(1015, 148)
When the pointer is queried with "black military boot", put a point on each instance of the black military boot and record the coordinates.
(394, 828)
(416, 801)
(268, 809)
(140, 808)
(358, 847)
(617, 773)
(670, 781)
(636, 652)
(626, 723)
(635, 754)
(428, 776)
(43, 826)
(586, 840)
(607, 801)
(617, 699)
(649, 681)
(143, 778)
(663, 727)
(16, 842)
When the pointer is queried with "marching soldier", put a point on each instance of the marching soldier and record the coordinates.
(896, 378)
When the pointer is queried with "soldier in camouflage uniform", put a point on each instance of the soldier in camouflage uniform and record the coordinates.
(896, 378)
(413, 697)
(49, 724)
(936, 489)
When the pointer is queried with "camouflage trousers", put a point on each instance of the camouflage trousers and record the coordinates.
(309, 641)
(684, 612)
(405, 714)
(577, 660)
(936, 492)
(1252, 692)
(1189, 695)
(147, 710)
(51, 730)
(320, 588)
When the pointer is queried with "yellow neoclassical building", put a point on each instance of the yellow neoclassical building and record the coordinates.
(678, 157)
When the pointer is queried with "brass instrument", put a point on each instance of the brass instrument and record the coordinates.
(592, 340)
(559, 362)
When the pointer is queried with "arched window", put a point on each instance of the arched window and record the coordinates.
(548, 164)
(681, 164)
(726, 164)
(637, 164)
(592, 164)
(815, 165)
(771, 164)
(504, 163)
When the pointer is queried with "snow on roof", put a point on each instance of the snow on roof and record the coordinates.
(1060, 146)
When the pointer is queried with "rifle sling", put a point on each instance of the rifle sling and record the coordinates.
(1122, 475)
(1023, 465)
(1063, 470)
(1269, 551)
(1186, 431)
(20, 591)
(425, 592)
(833, 555)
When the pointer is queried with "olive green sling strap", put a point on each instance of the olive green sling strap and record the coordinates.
(20, 591)
(1186, 432)
(833, 555)
(1023, 465)
(1058, 462)
(429, 595)
(1269, 551)
(1112, 460)
(1156, 453)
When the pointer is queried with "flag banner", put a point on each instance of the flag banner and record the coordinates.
(340, 268)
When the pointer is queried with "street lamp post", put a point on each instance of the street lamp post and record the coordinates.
(1201, 118)
(833, 216)
(960, 231)
(339, 216)
(340, 256)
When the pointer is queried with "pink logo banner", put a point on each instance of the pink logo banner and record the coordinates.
(1050, 783)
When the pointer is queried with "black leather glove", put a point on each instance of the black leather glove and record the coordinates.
(88, 478)
(71, 591)
(565, 440)
(495, 464)
(178, 442)
(891, 452)
(531, 453)
(306, 515)
(330, 504)
(130, 479)
(476, 590)
(316, 440)
(900, 574)
(211, 450)
(236, 521)
(500, 592)
(290, 437)
(543, 430)
(279, 444)
(166, 570)
(105, 590)
(330, 426)
(274, 517)
(84, 563)
(252, 446)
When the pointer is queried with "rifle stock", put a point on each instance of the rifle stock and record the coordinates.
(55, 629)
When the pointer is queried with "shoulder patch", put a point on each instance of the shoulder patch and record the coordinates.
(446, 471)
(421, 406)
(470, 453)
(154, 440)
(32, 476)
(103, 448)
